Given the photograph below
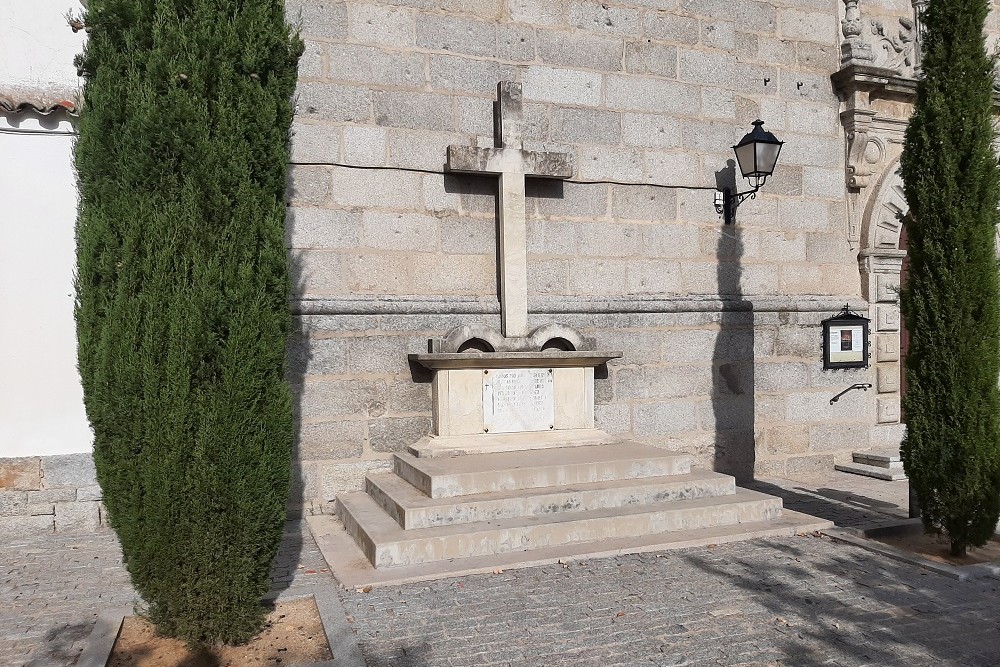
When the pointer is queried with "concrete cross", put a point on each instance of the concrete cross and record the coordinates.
(511, 163)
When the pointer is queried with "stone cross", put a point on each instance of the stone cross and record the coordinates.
(511, 163)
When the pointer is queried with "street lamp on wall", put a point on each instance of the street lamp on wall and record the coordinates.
(757, 155)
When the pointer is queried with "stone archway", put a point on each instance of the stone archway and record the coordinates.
(881, 261)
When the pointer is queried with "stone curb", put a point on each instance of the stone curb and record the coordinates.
(339, 636)
(102, 638)
(860, 537)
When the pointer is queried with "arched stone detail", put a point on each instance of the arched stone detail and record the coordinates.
(880, 263)
(545, 333)
(883, 219)
(457, 338)
(480, 336)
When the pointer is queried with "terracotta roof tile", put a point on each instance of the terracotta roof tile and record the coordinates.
(37, 105)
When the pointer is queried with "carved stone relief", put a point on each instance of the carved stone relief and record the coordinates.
(884, 42)
(875, 109)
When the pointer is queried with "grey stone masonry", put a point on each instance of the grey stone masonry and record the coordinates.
(49, 493)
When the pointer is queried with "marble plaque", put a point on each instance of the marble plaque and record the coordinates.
(518, 399)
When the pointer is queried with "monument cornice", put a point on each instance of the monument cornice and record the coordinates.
(547, 358)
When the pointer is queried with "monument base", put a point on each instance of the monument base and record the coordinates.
(515, 468)
(433, 516)
(486, 443)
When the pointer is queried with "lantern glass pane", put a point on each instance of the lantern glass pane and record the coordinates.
(745, 156)
(767, 156)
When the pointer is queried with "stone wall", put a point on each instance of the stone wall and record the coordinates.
(719, 325)
(49, 493)
(744, 391)
(638, 96)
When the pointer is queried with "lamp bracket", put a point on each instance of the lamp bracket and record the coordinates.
(727, 201)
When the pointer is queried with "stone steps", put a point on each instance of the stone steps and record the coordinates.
(387, 545)
(886, 459)
(353, 570)
(448, 477)
(440, 514)
(889, 475)
(411, 508)
(884, 464)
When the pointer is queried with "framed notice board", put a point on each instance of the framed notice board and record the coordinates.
(845, 341)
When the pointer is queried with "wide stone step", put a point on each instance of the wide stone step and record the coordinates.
(447, 477)
(387, 545)
(878, 472)
(352, 569)
(887, 459)
(411, 508)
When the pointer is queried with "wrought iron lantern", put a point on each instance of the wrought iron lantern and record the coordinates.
(757, 155)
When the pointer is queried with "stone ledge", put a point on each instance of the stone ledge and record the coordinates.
(547, 359)
(572, 304)
(351, 569)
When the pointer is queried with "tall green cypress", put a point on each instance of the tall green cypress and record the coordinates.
(951, 301)
(182, 297)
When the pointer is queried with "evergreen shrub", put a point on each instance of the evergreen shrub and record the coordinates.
(951, 300)
(182, 297)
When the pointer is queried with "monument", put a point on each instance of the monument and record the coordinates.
(515, 470)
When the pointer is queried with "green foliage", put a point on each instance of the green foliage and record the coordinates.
(951, 300)
(182, 287)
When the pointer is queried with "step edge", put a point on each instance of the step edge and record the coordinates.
(433, 548)
(414, 516)
(506, 524)
(350, 571)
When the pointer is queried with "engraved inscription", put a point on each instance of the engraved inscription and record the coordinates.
(517, 400)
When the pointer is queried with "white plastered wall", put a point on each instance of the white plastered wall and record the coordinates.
(41, 401)
(37, 47)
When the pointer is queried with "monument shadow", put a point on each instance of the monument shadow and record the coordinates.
(733, 381)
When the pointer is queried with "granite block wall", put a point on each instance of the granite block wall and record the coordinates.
(49, 493)
(719, 325)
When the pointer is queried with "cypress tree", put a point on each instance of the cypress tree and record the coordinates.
(951, 301)
(182, 297)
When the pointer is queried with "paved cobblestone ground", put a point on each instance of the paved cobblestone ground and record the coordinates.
(847, 500)
(53, 587)
(802, 602)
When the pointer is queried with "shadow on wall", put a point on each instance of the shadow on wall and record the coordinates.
(733, 356)
(297, 356)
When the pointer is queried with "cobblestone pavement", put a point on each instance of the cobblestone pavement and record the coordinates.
(802, 602)
(798, 601)
(53, 587)
(846, 499)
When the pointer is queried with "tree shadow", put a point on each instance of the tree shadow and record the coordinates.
(298, 354)
(878, 627)
(859, 501)
(416, 655)
(844, 509)
(733, 357)
(63, 644)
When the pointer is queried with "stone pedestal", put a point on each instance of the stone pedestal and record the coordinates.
(536, 480)
(508, 401)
